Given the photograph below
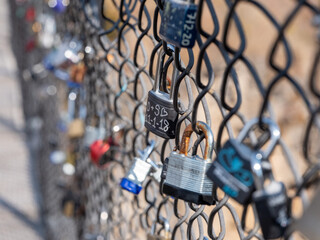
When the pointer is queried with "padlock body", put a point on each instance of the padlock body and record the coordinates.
(178, 25)
(231, 171)
(155, 237)
(98, 150)
(76, 128)
(184, 178)
(135, 177)
(161, 117)
(92, 134)
(271, 205)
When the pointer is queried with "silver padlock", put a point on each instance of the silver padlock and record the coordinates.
(154, 235)
(93, 133)
(139, 171)
(184, 176)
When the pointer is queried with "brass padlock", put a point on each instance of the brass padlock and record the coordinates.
(76, 128)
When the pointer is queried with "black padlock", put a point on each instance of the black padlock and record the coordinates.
(231, 170)
(271, 203)
(178, 23)
(161, 117)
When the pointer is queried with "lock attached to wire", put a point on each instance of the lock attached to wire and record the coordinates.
(104, 150)
(139, 170)
(184, 176)
(231, 170)
(178, 24)
(271, 202)
(154, 235)
(161, 117)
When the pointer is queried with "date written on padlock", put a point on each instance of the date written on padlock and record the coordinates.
(161, 117)
(231, 170)
(138, 171)
(271, 203)
(178, 25)
(184, 176)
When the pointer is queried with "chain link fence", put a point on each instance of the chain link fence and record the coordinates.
(251, 59)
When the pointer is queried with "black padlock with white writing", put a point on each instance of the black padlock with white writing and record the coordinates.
(161, 117)
(184, 176)
(178, 23)
(231, 170)
(271, 203)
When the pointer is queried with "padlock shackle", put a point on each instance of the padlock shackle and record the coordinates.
(184, 145)
(273, 129)
(144, 154)
(159, 72)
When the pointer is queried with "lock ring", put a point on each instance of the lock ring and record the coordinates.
(203, 127)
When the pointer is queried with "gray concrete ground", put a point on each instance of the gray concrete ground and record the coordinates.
(19, 216)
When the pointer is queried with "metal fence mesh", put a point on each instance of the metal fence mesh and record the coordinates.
(232, 75)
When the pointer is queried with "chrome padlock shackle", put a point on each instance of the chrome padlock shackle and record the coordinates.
(185, 140)
(157, 81)
(144, 154)
(273, 129)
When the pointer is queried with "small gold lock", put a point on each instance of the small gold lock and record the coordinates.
(76, 128)
(68, 208)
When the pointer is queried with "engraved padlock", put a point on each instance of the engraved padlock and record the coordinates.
(160, 235)
(184, 176)
(231, 170)
(161, 117)
(271, 202)
(138, 171)
(178, 23)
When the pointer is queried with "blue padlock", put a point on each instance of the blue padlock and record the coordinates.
(231, 170)
(178, 25)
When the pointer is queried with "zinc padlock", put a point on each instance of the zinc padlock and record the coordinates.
(184, 176)
(161, 117)
(178, 23)
(271, 202)
(103, 151)
(138, 171)
(153, 235)
(231, 170)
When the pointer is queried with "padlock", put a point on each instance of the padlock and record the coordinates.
(138, 171)
(231, 170)
(103, 151)
(271, 202)
(94, 133)
(161, 117)
(77, 72)
(184, 176)
(75, 125)
(57, 157)
(76, 128)
(178, 23)
(59, 6)
(70, 204)
(153, 235)
(155, 171)
(46, 29)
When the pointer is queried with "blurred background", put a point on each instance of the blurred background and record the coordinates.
(44, 194)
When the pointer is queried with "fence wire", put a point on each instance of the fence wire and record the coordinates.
(121, 49)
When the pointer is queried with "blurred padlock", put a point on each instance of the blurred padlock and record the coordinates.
(184, 176)
(59, 6)
(138, 171)
(103, 152)
(156, 235)
(77, 72)
(161, 117)
(271, 202)
(71, 204)
(45, 28)
(178, 24)
(231, 171)
(76, 128)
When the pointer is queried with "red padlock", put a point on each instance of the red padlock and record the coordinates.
(103, 152)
